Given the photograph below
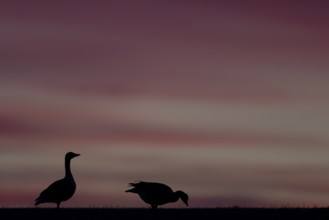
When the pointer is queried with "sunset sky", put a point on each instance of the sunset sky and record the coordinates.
(227, 100)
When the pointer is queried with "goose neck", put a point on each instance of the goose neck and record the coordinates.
(175, 197)
(68, 168)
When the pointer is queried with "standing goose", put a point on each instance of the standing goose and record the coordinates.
(157, 193)
(60, 190)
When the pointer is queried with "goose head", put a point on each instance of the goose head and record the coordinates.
(183, 196)
(71, 155)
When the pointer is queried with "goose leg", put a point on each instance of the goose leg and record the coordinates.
(154, 206)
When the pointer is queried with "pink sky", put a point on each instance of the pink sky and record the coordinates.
(226, 100)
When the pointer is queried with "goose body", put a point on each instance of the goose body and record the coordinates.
(60, 190)
(157, 194)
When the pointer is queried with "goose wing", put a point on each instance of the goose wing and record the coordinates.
(150, 186)
(57, 191)
(152, 193)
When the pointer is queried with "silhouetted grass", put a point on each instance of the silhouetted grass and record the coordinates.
(163, 213)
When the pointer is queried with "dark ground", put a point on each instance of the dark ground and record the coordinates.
(168, 214)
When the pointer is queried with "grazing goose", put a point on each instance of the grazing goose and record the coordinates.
(157, 193)
(60, 190)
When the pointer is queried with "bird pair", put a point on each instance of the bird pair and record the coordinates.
(154, 194)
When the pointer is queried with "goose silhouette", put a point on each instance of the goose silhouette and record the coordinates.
(60, 190)
(157, 194)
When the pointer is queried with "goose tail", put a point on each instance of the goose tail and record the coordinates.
(132, 190)
(37, 202)
(134, 187)
(129, 190)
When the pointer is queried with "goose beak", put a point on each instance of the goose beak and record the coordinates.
(76, 155)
